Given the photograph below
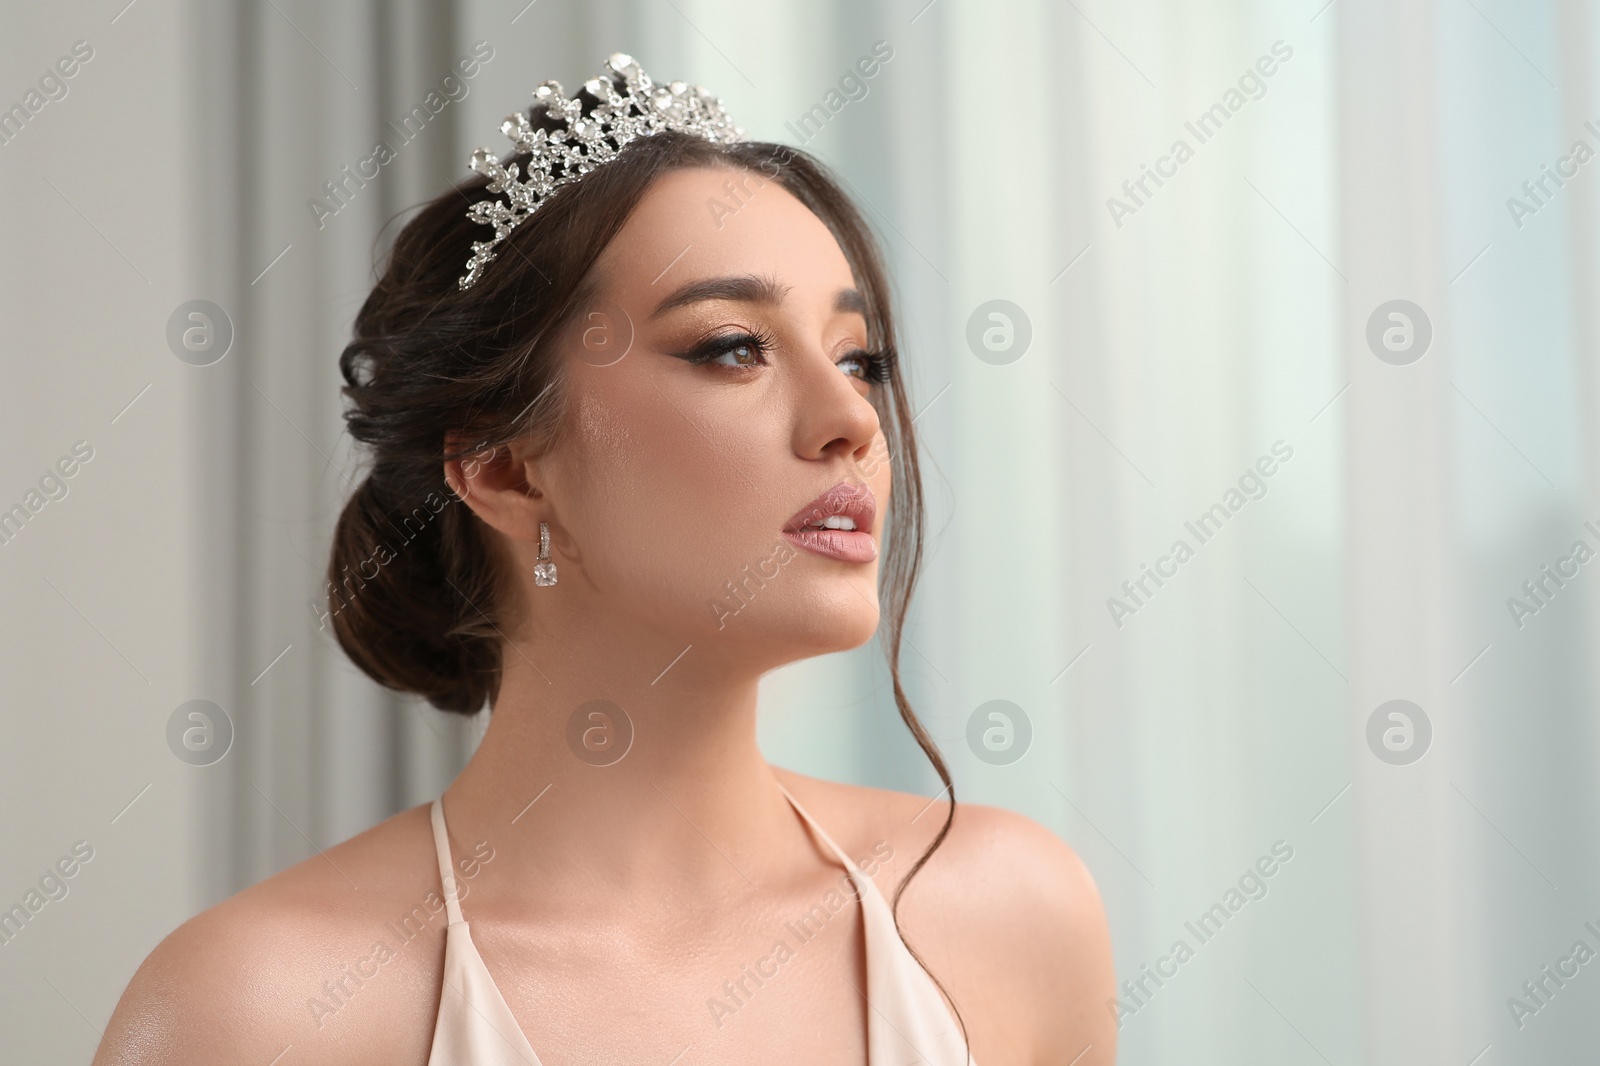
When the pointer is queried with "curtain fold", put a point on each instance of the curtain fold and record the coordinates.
(305, 102)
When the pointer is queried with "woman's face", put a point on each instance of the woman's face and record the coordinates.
(741, 397)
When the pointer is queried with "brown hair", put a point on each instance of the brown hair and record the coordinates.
(430, 362)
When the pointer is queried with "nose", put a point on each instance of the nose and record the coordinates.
(834, 418)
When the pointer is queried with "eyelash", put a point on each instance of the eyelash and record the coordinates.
(875, 365)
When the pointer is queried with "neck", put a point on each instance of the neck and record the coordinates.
(690, 803)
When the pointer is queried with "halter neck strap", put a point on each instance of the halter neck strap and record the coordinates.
(441, 844)
(822, 834)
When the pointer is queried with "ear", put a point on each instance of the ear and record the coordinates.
(499, 483)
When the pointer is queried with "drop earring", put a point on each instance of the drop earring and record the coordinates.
(544, 570)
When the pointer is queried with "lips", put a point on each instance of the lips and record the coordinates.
(847, 499)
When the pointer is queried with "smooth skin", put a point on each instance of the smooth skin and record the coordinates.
(612, 910)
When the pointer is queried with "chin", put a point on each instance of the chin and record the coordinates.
(847, 626)
(801, 628)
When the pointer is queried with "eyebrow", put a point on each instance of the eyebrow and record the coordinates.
(749, 288)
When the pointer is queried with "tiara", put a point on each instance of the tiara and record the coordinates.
(629, 106)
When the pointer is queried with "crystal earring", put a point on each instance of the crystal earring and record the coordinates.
(544, 570)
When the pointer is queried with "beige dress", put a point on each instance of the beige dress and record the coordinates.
(908, 1022)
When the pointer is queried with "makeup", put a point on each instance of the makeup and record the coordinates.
(837, 524)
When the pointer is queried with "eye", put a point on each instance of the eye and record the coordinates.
(742, 349)
(868, 366)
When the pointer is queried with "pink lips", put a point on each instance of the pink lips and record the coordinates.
(849, 499)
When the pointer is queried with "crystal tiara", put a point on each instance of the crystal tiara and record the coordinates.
(629, 106)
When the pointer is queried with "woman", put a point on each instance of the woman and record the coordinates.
(644, 450)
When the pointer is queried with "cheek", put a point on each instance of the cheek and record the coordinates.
(669, 497)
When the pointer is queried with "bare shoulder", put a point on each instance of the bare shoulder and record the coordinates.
(1004, 912)
(311, 958)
